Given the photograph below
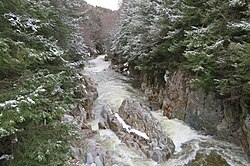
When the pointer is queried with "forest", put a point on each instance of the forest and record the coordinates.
(45, 45)
(210, 39)
(38, 50)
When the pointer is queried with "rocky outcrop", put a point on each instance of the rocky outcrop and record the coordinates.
(86, 92)
(181, 100)
(246, 132)
(85, 149)
(203, 111)
(235, 124)
(137, 128)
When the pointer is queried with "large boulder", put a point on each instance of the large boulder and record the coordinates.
(135, 125)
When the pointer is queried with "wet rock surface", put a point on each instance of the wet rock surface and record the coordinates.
(203, 111)
(138, 129)
(131, 136)
(206, 112)
(86, 92)
(85, 150)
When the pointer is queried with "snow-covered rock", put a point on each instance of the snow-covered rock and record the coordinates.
(135, 126)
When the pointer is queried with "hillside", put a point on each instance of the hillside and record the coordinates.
(192, 58)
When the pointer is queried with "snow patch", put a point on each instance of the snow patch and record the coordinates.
(236, 2)
(242, 24)
(2, 130)
(22, 22)
(11, 103)
(137, 132)
(125, 64)
(198, 68)
(128, 128)
(6, 157)
(30, 100)
(166, 76)
(124, 125)
(216, 44)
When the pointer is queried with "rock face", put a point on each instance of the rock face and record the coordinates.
(201, 111)
(135, 126)
(86, 92)
(85, 150)
(228, 120)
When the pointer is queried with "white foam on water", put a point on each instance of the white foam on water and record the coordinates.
(182, 134)
(184, 158)
(233, 154)
(121, 152)
(112, 93)
(188, 142)
(179, 132)
(111, 140)
(98, 64)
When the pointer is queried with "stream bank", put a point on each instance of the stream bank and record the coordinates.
(106, 144)
(174, 93)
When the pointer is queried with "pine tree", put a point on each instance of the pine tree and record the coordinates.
(208, 38)
(37, 82)
(216, 48)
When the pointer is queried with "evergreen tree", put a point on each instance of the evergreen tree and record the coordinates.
(208, 38)
(137, 31)
(37, 81)
(217, 48)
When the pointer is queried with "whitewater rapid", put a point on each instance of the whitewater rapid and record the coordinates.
(192, 147)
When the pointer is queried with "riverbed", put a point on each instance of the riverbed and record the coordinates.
(192, 148)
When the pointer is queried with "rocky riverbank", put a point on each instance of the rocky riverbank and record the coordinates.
(178, 98)
(84, 148)
(123, 130)
(228, 120)
(133, 124)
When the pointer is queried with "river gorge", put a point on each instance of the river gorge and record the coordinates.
(191, 147)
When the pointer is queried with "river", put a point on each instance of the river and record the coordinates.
(193, 148)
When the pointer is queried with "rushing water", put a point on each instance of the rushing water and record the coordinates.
(192, 148)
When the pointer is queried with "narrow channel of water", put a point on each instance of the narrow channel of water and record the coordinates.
(192, 148)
